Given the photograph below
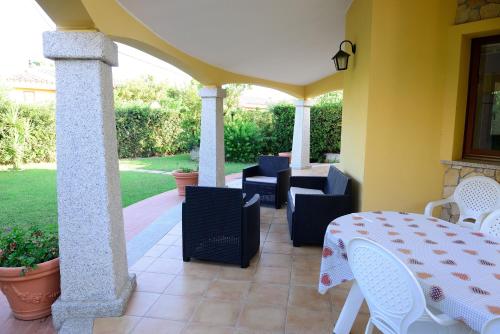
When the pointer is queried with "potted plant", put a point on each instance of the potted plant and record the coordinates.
(29, 271)
(185, 177)
(286, 155)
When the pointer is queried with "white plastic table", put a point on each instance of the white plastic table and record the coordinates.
(458, 269)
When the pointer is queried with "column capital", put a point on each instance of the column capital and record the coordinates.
(212, 91)
(304, 103)
(83, 45)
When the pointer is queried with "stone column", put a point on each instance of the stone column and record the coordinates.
(211, 166)
(301, 135)
(94, 275)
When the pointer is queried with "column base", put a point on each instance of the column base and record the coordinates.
(300, 165)
(65, 310)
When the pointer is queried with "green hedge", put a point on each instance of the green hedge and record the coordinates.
(27, 133)
(326, 123)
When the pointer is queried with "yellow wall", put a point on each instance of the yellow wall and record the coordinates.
(397, 99)
(356, 92)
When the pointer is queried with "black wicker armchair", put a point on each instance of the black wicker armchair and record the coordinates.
(270, 179)
(313, 202)
(219, 225)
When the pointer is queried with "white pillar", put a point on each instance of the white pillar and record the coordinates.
(301, 135)
(211, 166)
(94, 273)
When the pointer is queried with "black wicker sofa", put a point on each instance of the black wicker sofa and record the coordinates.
(313, 202)
(221, 225)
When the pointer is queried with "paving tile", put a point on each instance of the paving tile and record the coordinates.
(142, 264)
(168, 240)
(202, 270)
(170, 307)
(140, 302)
(262, 317)
(156, 250)
(272, 275)
(158, 326)
(188, 286)
(278, 237)
(236, 273)
(173, 252)
(165, 266)
(275, 260)
(115, 325)
(277, 247)
(228, 290)
(201, 328)
(153, 282)
(309, 297)
(303, 321)
(217, 312)
(268, 294)
(305, 277)
(279, 228)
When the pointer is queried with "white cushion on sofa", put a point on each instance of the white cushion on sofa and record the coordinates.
(297, 190)
(263, 179)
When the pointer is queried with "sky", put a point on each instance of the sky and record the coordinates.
(22, 23)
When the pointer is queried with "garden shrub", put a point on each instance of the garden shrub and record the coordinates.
(326, 123)
(242, 140)
(27, 133)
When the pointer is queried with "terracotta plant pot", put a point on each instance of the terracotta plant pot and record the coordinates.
(31, 296)
(287, 155)
(185, 179)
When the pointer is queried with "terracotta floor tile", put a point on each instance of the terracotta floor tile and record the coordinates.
(278, 237)
(217, 312)
(275, 260)
(272, 275)
(202, 270)
(228, 290)
(264, 227)
(165, 266)
(262, 317)
(115, 325)
(153, 282)
(279, 228)
(140, 302)
(304, 277)
(304, 321)
(277, 247)
(308, 250)
(309, 297)
(236, 273)
(171, 307)
(188, 286)
(200, 328)
(269, 294)
(310, 262)
(158, 326)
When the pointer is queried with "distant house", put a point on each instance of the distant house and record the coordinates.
(33, 85)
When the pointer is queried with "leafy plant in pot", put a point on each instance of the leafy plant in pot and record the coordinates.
(29, 271)
(185, 176)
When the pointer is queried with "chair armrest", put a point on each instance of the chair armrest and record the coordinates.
(250, 171)
(283, 177)
(431, 205)
(442, 318)
(311, 182)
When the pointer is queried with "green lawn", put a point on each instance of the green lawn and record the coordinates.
(173, 162)
(29, 196)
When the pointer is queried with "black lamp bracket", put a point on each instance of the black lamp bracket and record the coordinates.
(353, 46)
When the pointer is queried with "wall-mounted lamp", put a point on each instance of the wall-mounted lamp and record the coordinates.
(341, 58)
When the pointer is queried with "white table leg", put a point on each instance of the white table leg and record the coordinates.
(349, 310)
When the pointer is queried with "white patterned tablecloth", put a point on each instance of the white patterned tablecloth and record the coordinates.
(458, 269)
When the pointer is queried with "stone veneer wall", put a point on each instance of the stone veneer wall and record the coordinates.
(457, 171)
(475, 10)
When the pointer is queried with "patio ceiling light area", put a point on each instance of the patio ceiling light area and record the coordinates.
(288, 41)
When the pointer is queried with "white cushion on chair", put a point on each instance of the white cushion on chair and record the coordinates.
(308, 191)
(263, 179)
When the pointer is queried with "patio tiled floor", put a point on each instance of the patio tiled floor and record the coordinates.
(276, 294)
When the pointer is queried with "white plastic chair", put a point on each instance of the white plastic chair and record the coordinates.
(395, 299)
(476, 197)
(491, 225)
